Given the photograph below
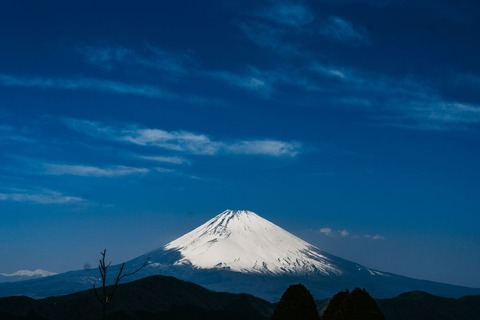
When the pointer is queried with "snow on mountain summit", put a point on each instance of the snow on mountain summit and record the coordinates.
(242, 241)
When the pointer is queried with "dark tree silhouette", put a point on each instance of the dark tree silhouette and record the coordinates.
(355, 305)
(296, 303)
(336, 306)
(105, 296)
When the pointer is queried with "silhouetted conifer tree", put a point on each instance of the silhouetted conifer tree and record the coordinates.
(357, 305)
(296, 303)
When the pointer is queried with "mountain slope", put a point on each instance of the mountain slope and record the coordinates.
(238, 251)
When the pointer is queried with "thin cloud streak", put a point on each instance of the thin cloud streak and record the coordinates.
(341, 30)
(100, 85)
(151, 58)
(45, 197)
(90, 171)
(263, 34)
(272, 148)
(82, 83)
(406, 102)
(254, 81)
(375, 237)
(183, 141)
(164, 159)
(10, 134)
(326, 231)
(373, 3)
(433, 115)
(289, 14)
(344, 233)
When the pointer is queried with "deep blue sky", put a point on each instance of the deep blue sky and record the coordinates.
(354, 124)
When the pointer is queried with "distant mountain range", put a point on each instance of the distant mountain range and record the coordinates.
(21, 275)
(238, 251)
(161, 297)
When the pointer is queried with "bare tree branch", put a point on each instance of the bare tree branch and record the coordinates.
(106, 298)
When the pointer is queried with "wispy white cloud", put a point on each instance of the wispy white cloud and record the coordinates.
(254, 80)
(342, 30)
(405, 102)
(201, 144)
(365, 83)
(151, 58)
(183, 141)
(266, 82)
(90, 171)
(91, 128)
(164, 170)
(344, 233)
(277, 27)
(375, 237)
(329, 232)
(274, 148)
(165, 159)
(373, 3)
(83, 83)
(433, 114)
(11, 134)
(287, 13)
(186, 141)
(39, 197)
(101, 85)
(267, 36)
(168, 65)
(326, 231)
(330, 72)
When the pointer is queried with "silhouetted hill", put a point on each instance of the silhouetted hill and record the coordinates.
(148, 298)
(418, 305)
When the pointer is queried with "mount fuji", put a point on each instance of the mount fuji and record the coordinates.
(244, 242)
(239, 251)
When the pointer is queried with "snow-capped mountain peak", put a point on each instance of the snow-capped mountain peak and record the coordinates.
(242, 241)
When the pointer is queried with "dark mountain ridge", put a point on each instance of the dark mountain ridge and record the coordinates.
(163, 297)
(147, 298)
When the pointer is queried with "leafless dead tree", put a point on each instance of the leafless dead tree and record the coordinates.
(105, 296)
